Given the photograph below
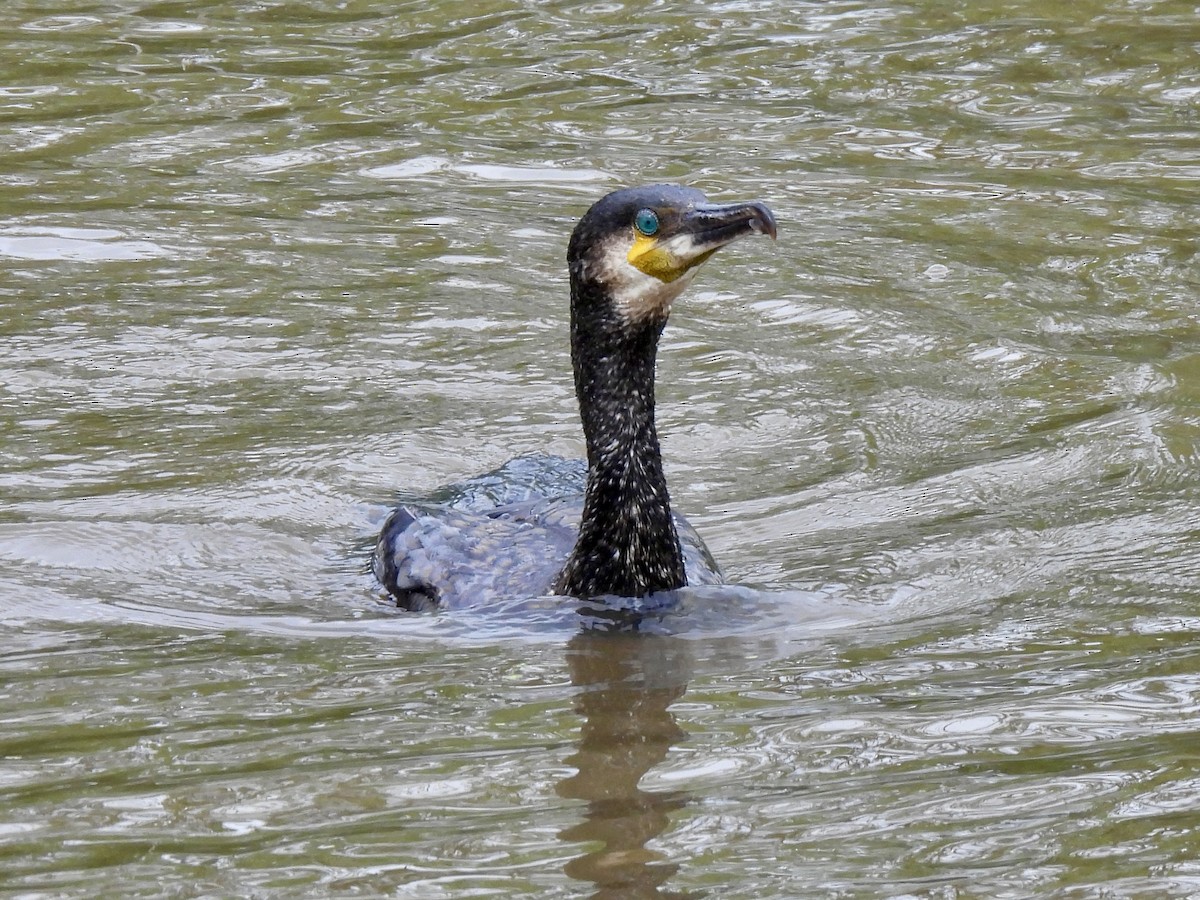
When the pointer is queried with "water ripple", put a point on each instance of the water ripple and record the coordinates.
(266, 264)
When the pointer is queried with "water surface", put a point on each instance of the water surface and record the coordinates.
(266, 264)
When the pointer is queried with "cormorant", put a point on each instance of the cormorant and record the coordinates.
(629, 257)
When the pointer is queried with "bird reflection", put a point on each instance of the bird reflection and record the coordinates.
(627, 683)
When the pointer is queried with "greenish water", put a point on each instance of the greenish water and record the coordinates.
(261, 264)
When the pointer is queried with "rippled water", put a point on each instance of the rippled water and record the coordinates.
(264, 264)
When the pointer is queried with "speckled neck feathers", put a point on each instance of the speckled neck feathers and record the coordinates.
(630, 257)
(627, 545)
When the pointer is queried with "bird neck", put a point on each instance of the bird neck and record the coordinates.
(627, 544)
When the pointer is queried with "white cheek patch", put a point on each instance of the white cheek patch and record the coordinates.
(681, 247)
(639, 297)
(647, 298)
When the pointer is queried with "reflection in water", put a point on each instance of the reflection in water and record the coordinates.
(240, 301)
(627, 683)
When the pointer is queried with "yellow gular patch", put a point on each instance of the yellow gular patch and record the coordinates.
(649, 255)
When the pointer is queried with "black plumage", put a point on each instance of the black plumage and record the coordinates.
(629, 257)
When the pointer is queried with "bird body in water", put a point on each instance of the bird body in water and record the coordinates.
(629, 257)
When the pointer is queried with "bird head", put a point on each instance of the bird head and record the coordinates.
(641, 246)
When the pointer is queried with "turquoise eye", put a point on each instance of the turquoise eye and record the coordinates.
(646, 221)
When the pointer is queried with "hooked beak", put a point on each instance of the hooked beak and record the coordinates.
(697, 233)
(715, 224)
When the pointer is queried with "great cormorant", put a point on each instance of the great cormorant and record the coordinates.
(629, 257)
